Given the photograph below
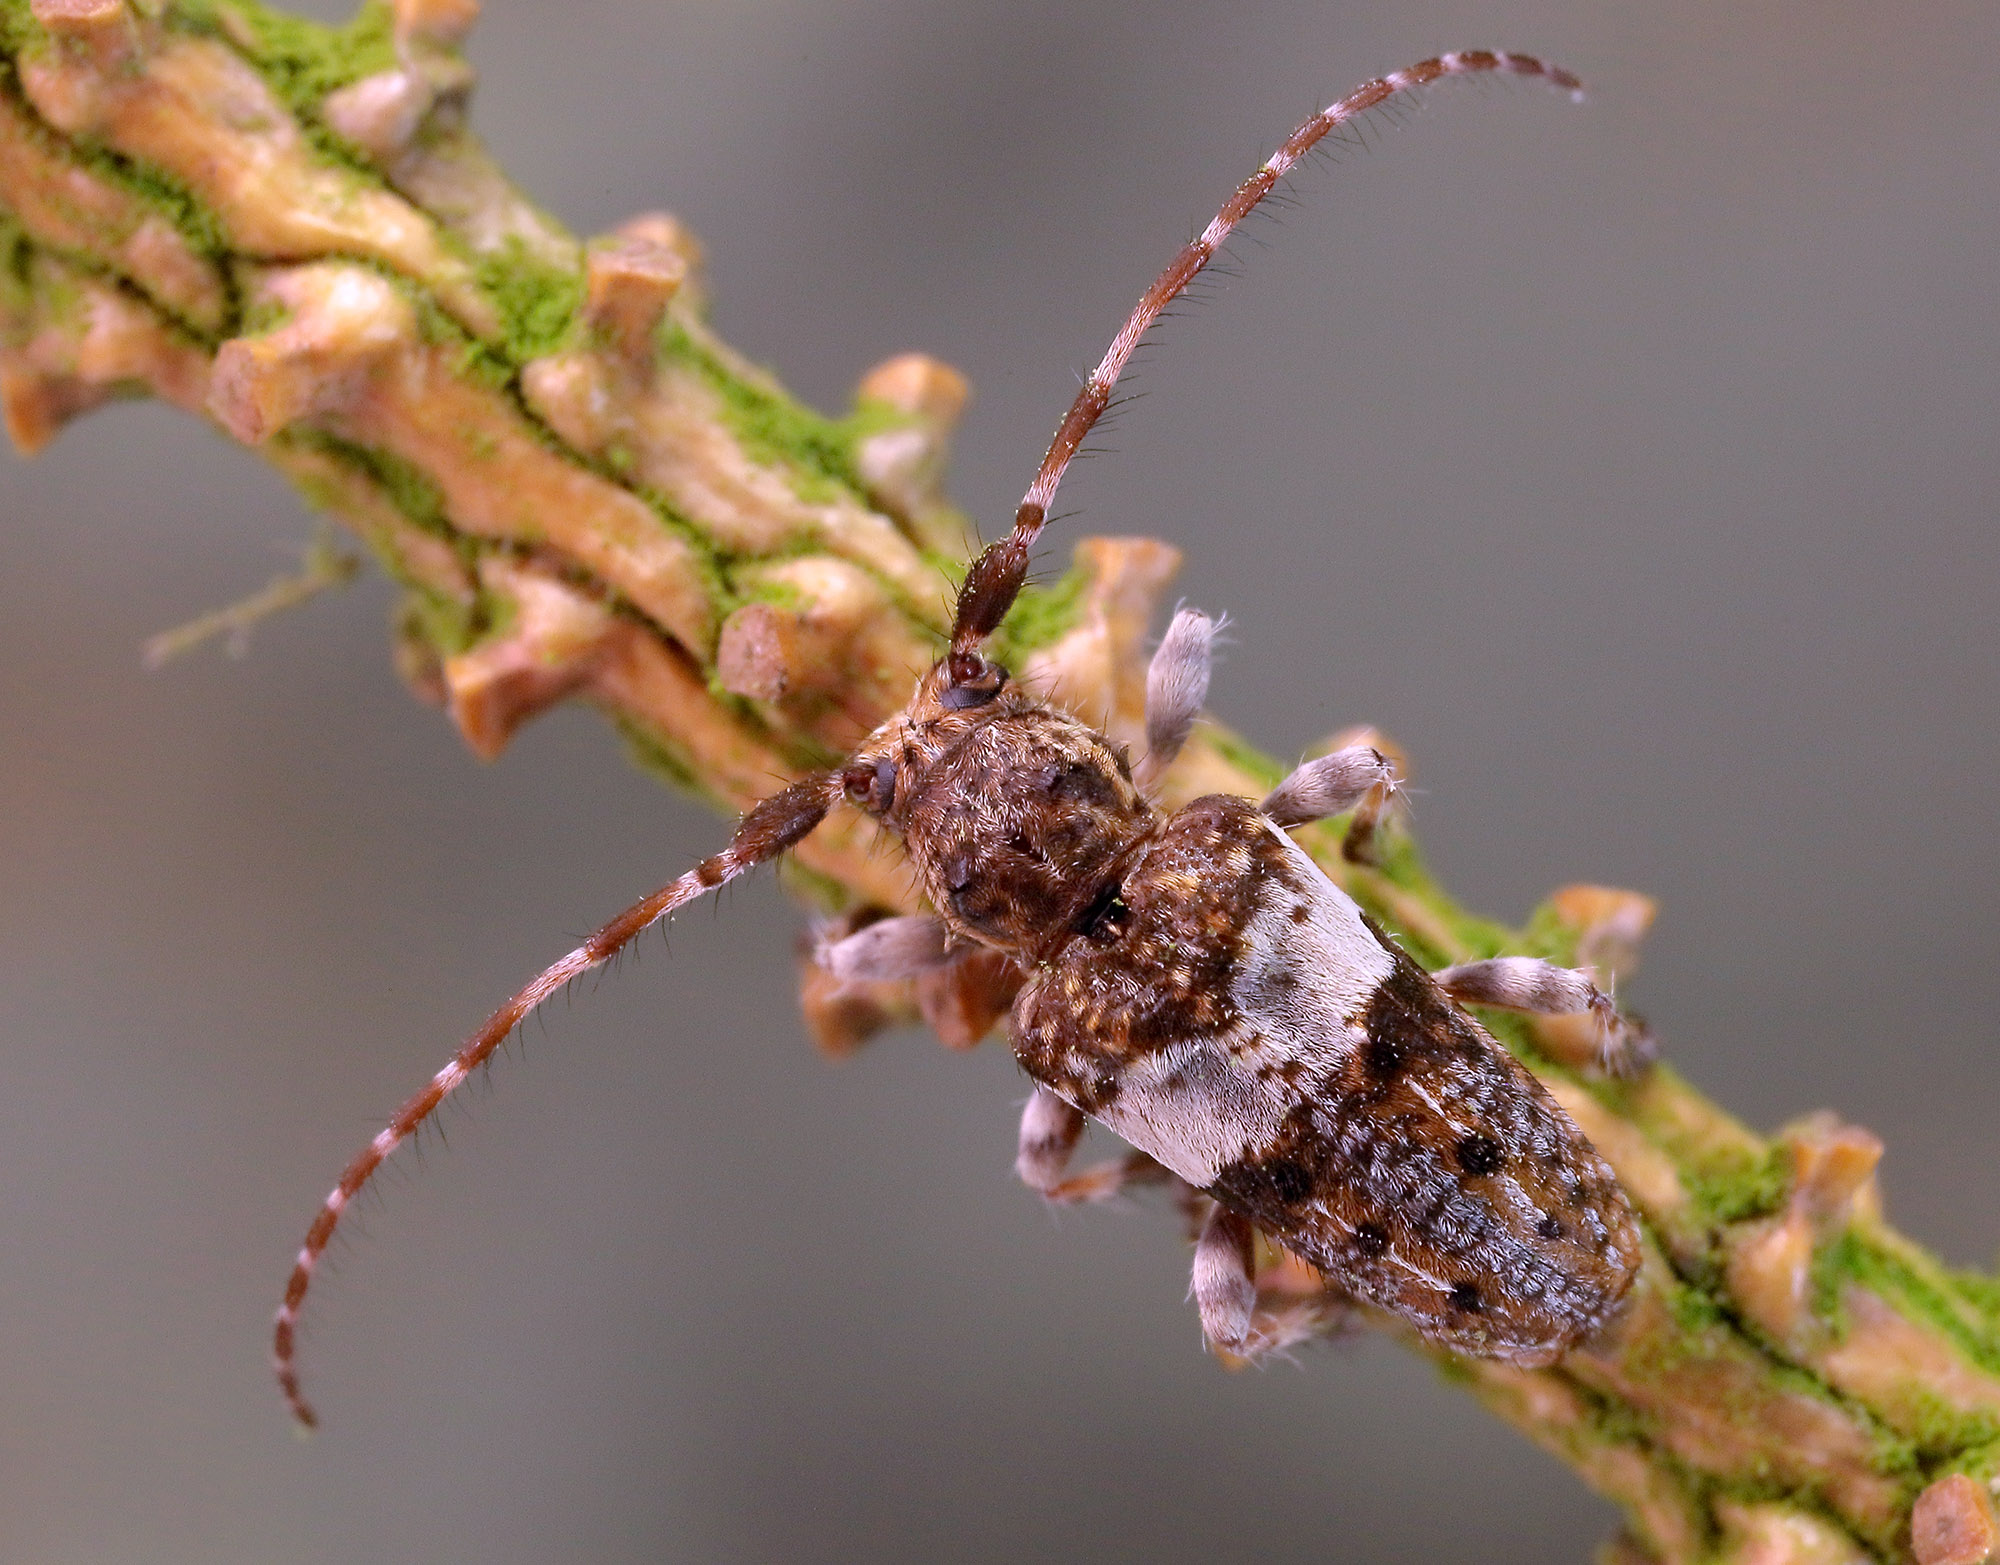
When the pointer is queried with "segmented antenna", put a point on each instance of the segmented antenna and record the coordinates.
(997, 575)
(767, 831)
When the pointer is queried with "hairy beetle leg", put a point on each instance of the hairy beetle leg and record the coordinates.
(888, 949)
(1224, 1285)
(1358, 778)
(1050, 1130)
(1242, 1320)
(1537, 988)
(1176, 687)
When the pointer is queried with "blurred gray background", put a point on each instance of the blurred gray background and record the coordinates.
(1633, 464)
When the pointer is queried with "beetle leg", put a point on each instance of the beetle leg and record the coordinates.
(1359, 778)
(889, 948)
(1245, 1319)
(1050, 1130)
(1224, 1286)
(1538, 988)
(1176, 687)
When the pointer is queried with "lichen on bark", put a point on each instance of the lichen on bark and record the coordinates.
(290, 231)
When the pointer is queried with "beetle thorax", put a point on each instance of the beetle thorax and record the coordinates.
(1020, 831)
(1018, 819)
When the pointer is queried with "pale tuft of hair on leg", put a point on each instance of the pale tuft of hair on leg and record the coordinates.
(1176, 688)
(889, 949)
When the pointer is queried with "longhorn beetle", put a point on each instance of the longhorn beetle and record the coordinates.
(1191, 980)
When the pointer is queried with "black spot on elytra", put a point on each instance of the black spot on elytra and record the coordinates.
(1410, 1025)
(1371, 1239)
(1287, 1182)
(1466, 1297)
(1302, 914)
(1550, 1228)
(1480, 1155)
(1383, 1055)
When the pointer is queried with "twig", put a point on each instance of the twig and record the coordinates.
(327, 565)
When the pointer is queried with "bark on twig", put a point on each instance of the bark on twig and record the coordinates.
(291, 232)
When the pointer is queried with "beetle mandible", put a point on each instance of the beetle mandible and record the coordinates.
(1193, 981)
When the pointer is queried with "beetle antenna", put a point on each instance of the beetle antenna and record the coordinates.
(996, 577)
(777, 824)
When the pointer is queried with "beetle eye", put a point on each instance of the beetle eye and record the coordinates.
(883, 795)
(974, 682)
(872, 786)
